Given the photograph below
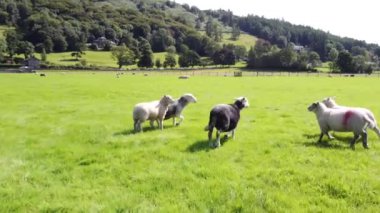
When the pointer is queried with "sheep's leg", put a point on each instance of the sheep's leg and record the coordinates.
(181, 117)
(230, 134)
(217, 144)
(174, 121)
(330, 136)
(210, 137)
(138, 126)
(352, 144)
(365, 137)
(160, 126)
(134, 125)
(320, 137)
(151, 123)
(377, 130)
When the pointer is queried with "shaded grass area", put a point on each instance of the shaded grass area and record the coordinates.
(67, 145)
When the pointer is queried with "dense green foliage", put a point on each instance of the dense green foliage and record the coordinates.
(69, 25)
(71, 149)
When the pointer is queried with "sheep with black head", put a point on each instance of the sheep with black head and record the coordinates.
(225, 118)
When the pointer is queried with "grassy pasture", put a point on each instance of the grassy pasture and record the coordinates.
(66, 146)
(96, 58)
(244, 40)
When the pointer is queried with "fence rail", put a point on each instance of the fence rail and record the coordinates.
(246, 74)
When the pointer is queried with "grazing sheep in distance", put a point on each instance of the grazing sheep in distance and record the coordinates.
(153, 111)
(331, 103)
(341, 120)
(184, 77)
(177, 107)
(225, 118)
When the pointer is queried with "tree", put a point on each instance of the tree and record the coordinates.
(251, 63)
(122, 55)
(213, 30)
(26, 48)
(189, 59)
(240, 52)
(158, 63)
(359, 63)
(287, 57)
(161, 40)
(333, 56)
(225, 56)
(235, 32)
(314, 58)
(146, 58)
(209, 28)
(377, 52)
(262, 47)
(345, 62)
(77, 55)
(43, 55)
(171, 49)
(3, 48)
(12, 40)
(170, 60)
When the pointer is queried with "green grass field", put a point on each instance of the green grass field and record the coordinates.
(67, 146)
(244, 40)
(95, 58)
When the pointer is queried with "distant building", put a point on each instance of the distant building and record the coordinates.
(101, 42)
(298, 48)
(30, 64)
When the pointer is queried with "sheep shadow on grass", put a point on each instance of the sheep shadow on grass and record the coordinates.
(145, 129)
(343, 142)
(203, 145)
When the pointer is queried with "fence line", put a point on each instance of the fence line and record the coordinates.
(246, 74)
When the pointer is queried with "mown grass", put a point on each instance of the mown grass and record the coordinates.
(67, 146)
(94, 58)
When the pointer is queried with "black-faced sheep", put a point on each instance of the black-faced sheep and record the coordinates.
(225, 118)
(153, 111)
(175, 109)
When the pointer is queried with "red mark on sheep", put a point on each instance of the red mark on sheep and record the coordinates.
(346, 117)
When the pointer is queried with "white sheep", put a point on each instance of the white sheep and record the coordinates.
(331, 103)
(342, 120)
(153, 111)
(175, 109)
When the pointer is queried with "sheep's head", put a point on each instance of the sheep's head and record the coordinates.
(329, 102)
(313, 107)
(189, 98)
(242, 102)
(166, 100)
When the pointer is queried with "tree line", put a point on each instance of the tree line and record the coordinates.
(134, 32)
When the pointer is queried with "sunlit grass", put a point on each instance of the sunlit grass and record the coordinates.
(244, 39)
(67, 146)
(94, 58)
(3, 29)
